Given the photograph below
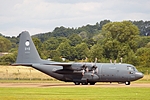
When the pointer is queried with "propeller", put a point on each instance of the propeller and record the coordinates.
(84, 67)
(94, 67)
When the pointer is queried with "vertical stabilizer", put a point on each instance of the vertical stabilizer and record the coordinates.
(27, 53)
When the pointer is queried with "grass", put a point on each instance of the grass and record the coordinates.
(30, 81)
(21, 72)
(75, 93)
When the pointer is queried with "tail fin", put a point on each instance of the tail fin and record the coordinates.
(27, 53)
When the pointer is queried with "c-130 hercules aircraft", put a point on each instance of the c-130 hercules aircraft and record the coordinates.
(77, 72)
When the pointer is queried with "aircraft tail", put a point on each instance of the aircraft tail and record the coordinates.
(27, 52)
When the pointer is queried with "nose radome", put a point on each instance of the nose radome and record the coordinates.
(139, 75)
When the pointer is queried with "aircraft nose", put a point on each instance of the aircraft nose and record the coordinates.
(139, 75)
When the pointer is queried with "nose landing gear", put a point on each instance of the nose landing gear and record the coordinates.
(127, 83)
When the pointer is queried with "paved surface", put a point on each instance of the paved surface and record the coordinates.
(49, 85)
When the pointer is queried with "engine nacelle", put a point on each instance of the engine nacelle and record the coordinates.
(81, 66)
(90, 76)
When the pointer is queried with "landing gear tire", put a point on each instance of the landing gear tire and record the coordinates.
(92, 83)
(77, 83)
(84, 83)
(127, 83)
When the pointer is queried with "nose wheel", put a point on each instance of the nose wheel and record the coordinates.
(127, 83)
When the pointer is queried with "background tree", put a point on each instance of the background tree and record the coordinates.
(39, 47)
(130, 58)
(102, 23)
(8, 59)
(111, 49)
(83, 35)
(144, 27)
(5, 44)
(117, 35)
(66, 51)
(143, 57)
(148, 45)
(55, 55)
(63, 39)
(62, 32)
(75, 39)
(90, 42)
(96, 51)
(142, 42)
(82, 51)
(51, 44)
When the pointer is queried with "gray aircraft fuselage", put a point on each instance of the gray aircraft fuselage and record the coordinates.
(75, 72)
(106, 72)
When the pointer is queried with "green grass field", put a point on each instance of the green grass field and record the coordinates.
(75, 93)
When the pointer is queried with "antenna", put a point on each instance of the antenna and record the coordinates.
(95, 61)
(110, 60)
(121, 59)
(114, 61)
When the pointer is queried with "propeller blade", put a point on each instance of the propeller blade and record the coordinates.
(95, 60)
(95, 63)
(96, 70)
(86, 59)
(87, 70)
(83, 71)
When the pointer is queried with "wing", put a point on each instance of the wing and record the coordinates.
(65, 65)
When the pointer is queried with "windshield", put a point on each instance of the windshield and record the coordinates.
(131, 68)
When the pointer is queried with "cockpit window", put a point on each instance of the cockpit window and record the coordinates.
(133, 68)
(130, 68)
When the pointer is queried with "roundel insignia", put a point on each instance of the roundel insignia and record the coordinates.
(27, 43)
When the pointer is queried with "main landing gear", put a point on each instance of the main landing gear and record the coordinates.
(84, 83)
(77, 83)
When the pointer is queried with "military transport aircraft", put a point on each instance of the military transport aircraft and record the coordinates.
(79, 73)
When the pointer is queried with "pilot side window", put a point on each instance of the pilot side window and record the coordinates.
(133, 68)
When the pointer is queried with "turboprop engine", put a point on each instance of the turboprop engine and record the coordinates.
(85, 68)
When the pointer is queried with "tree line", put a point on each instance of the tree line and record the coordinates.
(105, 41)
